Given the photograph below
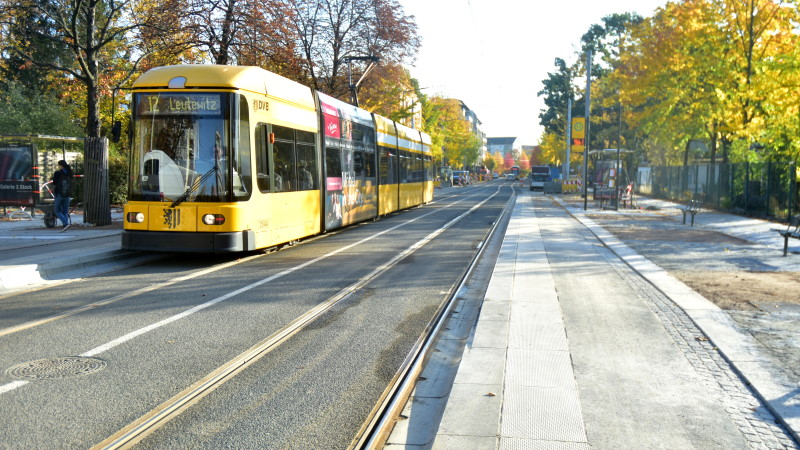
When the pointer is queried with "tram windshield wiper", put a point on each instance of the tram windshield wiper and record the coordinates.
(194, 186)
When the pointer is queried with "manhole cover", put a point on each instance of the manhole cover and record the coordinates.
(54, 368)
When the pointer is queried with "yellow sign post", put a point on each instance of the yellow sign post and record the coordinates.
(578, 133)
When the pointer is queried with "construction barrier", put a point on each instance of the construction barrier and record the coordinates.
(570, 185)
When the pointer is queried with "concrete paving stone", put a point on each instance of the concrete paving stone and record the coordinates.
(495, 310)
(534, 312)
(537, 296)
(500, 287)
(490, 333)
(482, 366)
(550, 414)
(539, 368)
(445, 442)
(537, 336)
(530, 444)
(472, 410)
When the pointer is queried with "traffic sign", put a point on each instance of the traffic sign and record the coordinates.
(578, 128)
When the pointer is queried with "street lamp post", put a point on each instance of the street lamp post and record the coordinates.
(619, 163)
(587, 114)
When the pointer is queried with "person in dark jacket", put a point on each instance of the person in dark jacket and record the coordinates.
(62, 190)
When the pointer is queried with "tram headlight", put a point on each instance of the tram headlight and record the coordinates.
(135, 217)
(213, 219)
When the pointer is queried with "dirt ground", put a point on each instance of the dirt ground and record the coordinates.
(730, 290)
(742, 291)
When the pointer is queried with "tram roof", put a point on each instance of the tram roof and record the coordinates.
(208, 76)
(346, 109)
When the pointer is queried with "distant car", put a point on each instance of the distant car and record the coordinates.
(495, 175)
(511, 177)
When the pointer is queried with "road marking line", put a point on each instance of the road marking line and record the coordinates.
(123, 339)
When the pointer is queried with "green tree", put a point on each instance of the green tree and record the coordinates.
(557, 90)
(450, 132)
(92, 30)
(29, 112)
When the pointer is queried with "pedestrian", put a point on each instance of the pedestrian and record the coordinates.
(62, 190)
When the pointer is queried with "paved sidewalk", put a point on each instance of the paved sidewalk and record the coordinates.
(519, 358)
(33, 255)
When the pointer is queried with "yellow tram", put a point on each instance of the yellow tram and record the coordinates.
(232, 158)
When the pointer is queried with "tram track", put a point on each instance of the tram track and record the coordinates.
(159, 416)
(378, 426)
(157, 286)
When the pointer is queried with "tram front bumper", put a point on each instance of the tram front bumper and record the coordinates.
(166, 241)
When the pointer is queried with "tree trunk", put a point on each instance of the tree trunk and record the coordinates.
(96, 199)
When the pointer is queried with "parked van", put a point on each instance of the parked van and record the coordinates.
(539, 176)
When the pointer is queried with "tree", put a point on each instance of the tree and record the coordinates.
(450, 132)
(34, 113)
(243, 32)
(95, 32)
(713, 69)
(490, 163)
(328, 31)
(91, 29)
(557, 91)
(390, 92)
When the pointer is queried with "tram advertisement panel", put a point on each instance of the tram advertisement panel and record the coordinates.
(16, 173)
(351, 185)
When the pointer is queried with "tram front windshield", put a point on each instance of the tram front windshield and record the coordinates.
(181, 147)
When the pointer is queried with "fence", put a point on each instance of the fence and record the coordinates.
(768, 190)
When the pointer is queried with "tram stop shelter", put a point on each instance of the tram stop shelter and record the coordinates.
(609, 174)
(26, 163)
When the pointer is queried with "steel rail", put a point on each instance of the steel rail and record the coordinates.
(377, 428)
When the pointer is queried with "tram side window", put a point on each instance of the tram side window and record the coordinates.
(262, 158)
(404, 166)
(285, 176)
(295, 161)
(242, 177)
(428, 168)
(369, 164)
(388, 162)
(306, 167)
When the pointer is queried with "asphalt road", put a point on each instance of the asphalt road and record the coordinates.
(154, 330)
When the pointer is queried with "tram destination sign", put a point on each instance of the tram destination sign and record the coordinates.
(179, 104)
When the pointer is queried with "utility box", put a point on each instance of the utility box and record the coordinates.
(551, 187)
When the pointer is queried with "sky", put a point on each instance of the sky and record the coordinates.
(494, 54)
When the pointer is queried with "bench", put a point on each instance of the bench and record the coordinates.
(791, 231)
(692, 208)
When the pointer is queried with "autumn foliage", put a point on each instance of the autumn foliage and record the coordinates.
(722, 72)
